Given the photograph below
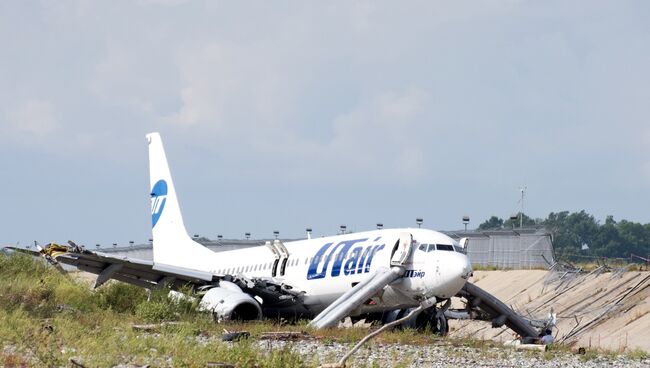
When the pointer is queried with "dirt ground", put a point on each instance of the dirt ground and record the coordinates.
(600, 310)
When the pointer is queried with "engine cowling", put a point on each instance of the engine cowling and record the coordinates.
(228, 302)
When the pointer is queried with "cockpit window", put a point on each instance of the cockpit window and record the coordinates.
(427, 247)
(448, 247)
(459, 249)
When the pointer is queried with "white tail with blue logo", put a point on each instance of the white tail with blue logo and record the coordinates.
(172, 245)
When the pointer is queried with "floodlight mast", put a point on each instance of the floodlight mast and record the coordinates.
(419, 222)
(521, 214)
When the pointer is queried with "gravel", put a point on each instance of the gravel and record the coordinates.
(392, 355)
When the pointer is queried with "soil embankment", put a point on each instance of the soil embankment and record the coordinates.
(600, 310)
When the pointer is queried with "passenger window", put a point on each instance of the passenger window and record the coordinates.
(447, 247)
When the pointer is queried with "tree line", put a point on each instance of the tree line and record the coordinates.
(578, 234)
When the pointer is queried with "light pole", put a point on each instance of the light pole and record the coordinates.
(276, 233)
(343, 229)
(380, 226)
(521, 214)
(465, 221)
(419, 222)
(514, 217)
(247, 235)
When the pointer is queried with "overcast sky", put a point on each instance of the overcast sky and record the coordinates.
(286, 115)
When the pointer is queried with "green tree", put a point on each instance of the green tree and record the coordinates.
(525, 222)
(571, 230)
(491, 224)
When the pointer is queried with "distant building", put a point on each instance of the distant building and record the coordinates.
(524, 248)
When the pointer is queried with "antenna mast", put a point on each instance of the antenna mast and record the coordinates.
(521, 215)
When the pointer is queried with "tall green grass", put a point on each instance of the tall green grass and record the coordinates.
(46, 318)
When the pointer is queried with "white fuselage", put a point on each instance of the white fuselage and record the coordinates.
(325, 268)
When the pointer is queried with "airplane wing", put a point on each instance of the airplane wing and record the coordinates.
(130, 270)
(275, 295)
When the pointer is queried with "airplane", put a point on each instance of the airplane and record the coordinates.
(386, 271)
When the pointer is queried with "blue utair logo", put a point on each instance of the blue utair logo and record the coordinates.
(358, 262)
(158, 199)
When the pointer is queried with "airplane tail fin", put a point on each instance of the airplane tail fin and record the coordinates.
(172, 246)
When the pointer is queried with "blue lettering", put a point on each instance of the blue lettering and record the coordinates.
(359, 261)
(363, 259)
(313, 272)
(351, 263)
(376, 249)
(336, 269)
(414, 274)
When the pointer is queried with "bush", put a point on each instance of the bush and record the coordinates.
(161, 307)
(121, 297)
(156, 311)
(18, 264)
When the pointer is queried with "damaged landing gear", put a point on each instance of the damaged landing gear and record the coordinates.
(431, 319)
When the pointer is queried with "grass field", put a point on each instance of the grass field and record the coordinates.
(47, 318)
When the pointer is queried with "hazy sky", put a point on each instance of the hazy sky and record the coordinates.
(284, 115)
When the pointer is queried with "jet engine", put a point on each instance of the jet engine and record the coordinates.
(228, 302)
